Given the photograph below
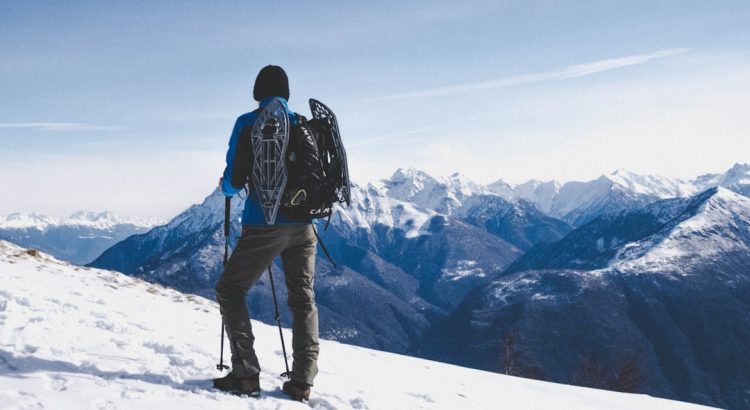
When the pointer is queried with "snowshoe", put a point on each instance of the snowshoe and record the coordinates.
(240, 386)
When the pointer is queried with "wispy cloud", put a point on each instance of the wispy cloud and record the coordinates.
(389, 138)
(574, 71)
(59, 126)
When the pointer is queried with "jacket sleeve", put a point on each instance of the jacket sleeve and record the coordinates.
(239, 158)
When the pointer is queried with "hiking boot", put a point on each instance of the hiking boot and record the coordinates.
(241, 386)
(297, 390)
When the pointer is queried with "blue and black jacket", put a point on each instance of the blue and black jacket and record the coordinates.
(239, 167)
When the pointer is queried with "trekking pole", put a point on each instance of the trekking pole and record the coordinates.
(287, 373)
(227, 207)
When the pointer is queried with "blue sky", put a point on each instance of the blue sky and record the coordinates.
(128, 106)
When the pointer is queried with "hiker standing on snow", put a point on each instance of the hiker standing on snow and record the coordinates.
(260, 243)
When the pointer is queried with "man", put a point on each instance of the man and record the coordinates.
(260, 243)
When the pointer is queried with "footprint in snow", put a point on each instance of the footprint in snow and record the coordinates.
(132, 393)
(160, 348)
(425, 397)
(56, 382)
(15, 399)
(103, 405)
(120, 343)
(321, 403)
(358, 403)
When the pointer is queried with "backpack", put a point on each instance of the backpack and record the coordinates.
(308, 192)
(317, 171)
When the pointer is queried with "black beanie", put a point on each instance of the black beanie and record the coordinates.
(271, 82)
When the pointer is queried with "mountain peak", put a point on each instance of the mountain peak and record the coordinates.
(726, 195)
(738, 175)
(92, 216)
(503, 189)
(654, 185)
(409, 173)
(19, 220)
(740, 167)
(715, 221)
(441, 194)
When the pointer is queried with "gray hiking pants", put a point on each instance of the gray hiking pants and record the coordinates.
(256, 249)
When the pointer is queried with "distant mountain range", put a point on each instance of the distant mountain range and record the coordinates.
(79, 238)
(580, 202)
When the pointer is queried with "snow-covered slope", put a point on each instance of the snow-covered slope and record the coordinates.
(73, 338)
(79, 238)
(371, 207)
(720, 225)
(541, 194)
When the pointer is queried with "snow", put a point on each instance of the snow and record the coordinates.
(541, 194)
(371, 206)
(653, 185)
(559, 200)
(718, 226)
(97, 220)
(73, 338)
(573, 200)
(22, 221)
(738, 175)
(442, 195)
(462, 270)
(502, 189)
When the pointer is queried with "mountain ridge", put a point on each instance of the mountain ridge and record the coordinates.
(664, 287)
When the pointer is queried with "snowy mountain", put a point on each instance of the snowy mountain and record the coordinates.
(577, 203)
(80, 238)
(490, 208)
(442, 195)
(670, 232)
(73, 338)
(736, 178)
(430, 248)
(659, 294)
(399, 266)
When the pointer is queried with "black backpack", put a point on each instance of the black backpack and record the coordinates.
(316, 172)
